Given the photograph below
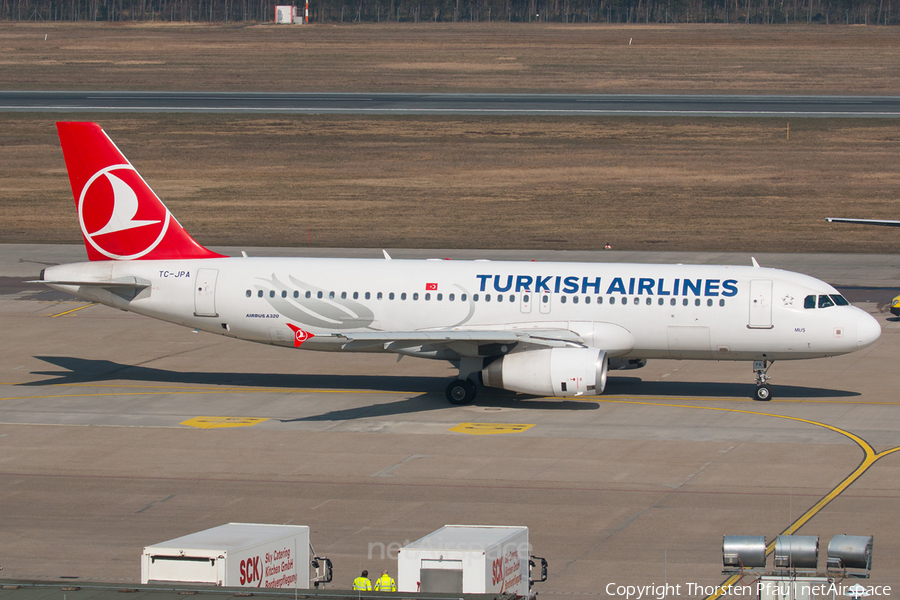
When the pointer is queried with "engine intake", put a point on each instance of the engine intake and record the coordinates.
(550, 372)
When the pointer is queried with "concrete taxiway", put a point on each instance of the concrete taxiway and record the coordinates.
(117, 432)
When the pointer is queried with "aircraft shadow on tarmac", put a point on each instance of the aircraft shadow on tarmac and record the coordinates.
(429, 390)
(635, 387)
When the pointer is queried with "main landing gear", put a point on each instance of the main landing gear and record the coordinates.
(763, 391)
(461, 391)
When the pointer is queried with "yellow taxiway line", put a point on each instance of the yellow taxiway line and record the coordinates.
(62, 314)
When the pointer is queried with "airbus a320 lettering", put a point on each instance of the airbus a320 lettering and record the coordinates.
(552, 328)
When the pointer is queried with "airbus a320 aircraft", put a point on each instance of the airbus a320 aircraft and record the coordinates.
(548, 328)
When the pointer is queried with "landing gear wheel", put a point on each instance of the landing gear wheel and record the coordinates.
(460, 391)
(763, 393)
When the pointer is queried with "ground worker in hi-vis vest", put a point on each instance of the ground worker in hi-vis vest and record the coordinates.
(362, 582)
(385, 583)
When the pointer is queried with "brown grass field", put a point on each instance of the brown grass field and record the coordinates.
(464, 57)
(477, 182)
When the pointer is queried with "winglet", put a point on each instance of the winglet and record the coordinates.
(386, 255)
(755, 264)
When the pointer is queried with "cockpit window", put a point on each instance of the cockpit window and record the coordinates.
(809, 302)
(825, 301)
(839, 300)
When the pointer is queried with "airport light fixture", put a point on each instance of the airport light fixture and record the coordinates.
(850, 552)
(797, 552)
(742, 552)
(848, 555)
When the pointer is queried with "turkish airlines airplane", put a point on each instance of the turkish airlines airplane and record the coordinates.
(541, 328)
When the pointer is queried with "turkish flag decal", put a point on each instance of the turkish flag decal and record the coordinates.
(430, 287)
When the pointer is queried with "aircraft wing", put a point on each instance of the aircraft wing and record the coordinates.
(467, 342)
(882, 222)
(121, 283)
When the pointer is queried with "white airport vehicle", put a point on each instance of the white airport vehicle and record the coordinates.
(541, 328)
(233, 555)
(468, 559)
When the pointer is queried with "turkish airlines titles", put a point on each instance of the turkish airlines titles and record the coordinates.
(631, 286)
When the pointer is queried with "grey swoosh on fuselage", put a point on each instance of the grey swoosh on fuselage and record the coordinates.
(324, 312)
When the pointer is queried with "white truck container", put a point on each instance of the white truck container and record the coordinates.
(233, 555)
(467, 559)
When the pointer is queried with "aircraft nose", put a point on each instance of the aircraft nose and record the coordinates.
(867, 330)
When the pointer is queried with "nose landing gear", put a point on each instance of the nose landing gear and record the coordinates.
(763, 391)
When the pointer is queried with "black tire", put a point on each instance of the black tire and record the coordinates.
(460, 392)
(763, 393)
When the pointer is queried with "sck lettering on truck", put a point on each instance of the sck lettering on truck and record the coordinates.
(250, 571)
(512, 574)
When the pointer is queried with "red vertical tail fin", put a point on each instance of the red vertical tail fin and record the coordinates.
(121, 218)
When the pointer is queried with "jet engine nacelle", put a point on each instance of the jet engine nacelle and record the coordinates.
(550, 372)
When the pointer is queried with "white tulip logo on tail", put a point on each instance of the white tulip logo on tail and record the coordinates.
(113, 217)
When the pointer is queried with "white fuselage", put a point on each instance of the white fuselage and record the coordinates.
(628, 310)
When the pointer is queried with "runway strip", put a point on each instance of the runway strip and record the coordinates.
(648, 105)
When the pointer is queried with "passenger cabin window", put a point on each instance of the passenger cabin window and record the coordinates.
(249, 293)
(309, 294)
(296, 294)
(284, 293)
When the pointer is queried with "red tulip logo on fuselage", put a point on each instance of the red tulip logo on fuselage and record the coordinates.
(300, 335)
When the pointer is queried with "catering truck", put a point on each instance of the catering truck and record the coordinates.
(234, 555)
(469, 559)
